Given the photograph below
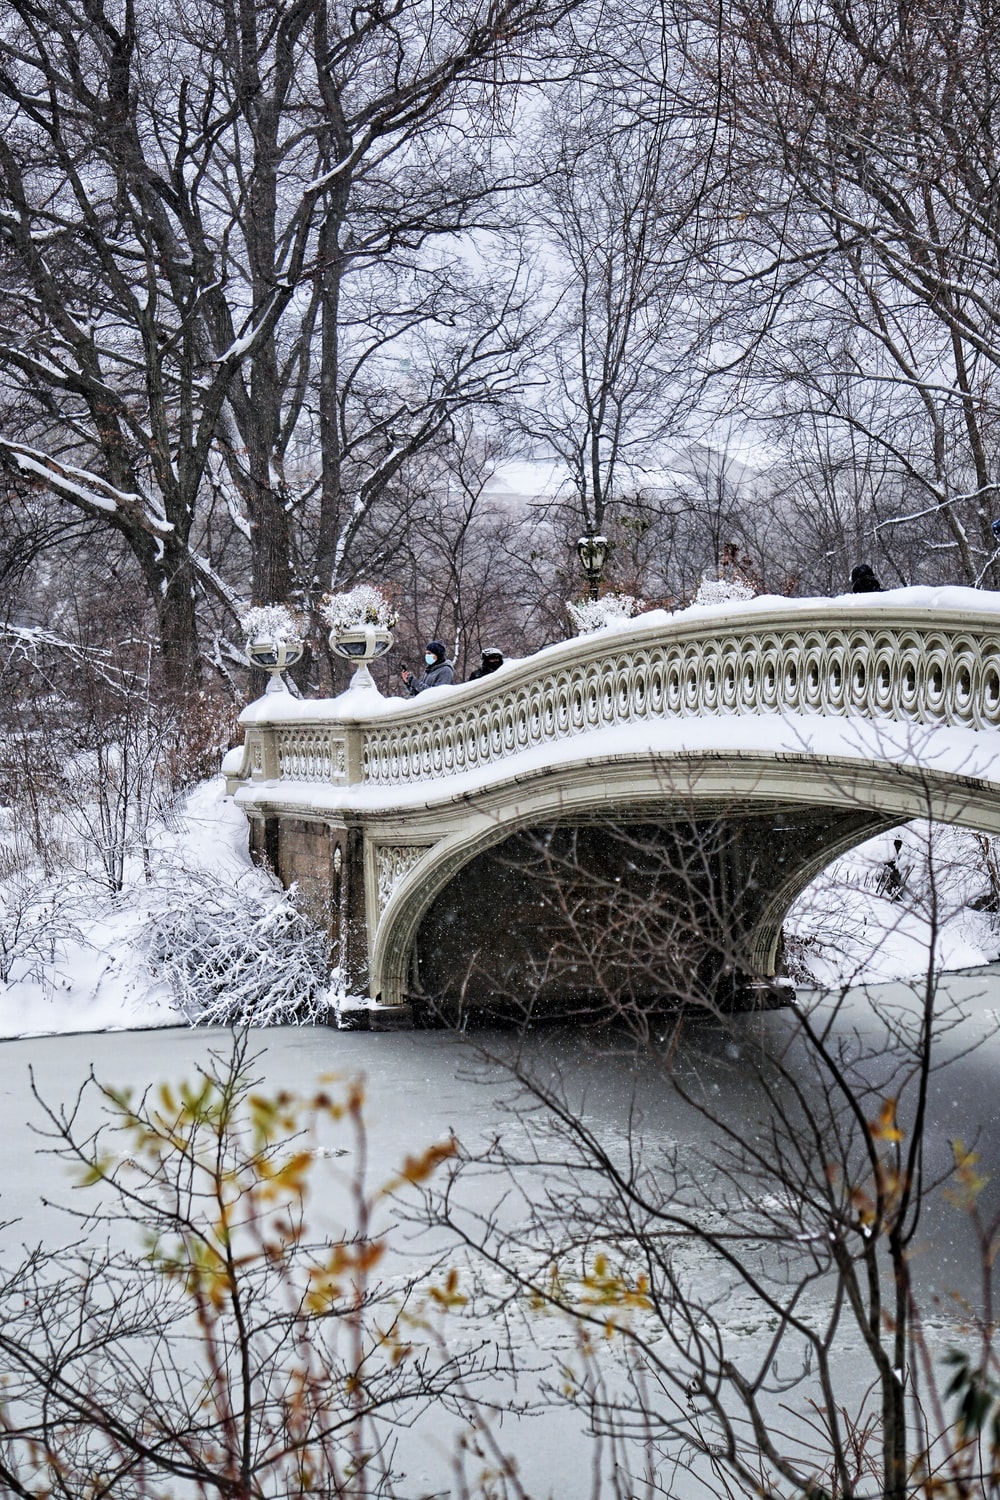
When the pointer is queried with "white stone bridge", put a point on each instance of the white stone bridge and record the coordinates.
(737, 749)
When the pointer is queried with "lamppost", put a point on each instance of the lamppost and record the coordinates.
(592, 550)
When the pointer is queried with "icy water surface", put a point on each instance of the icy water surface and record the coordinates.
(421, 1086)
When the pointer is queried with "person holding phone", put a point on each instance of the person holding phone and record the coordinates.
(439, 670)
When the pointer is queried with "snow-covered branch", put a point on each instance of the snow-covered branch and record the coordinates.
(85, 488)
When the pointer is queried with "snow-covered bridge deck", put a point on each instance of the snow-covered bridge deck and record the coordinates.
(873, 708)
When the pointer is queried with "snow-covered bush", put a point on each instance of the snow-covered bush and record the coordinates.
(115, 792)
(362, 605)
(239, 955)
(723, 590)
(271, 622)
(594, 614)
(37, 916)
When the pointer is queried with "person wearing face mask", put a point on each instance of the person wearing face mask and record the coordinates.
(492, 661)
(439, 671)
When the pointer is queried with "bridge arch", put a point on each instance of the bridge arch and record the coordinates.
(861, 798)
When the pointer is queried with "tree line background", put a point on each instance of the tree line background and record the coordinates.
(284, 285)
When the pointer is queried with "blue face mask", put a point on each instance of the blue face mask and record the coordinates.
(429, 659)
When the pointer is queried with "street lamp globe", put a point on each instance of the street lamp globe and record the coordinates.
(592, 550)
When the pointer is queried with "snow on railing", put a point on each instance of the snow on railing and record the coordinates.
(933, 677)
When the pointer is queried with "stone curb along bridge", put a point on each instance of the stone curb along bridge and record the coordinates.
(772, 735)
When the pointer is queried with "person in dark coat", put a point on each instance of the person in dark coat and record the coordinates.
(439, 670)
(492, 659)
(863, 580)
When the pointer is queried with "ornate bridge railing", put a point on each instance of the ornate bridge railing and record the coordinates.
(921, 656)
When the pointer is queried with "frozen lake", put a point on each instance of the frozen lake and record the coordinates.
(421, 1086)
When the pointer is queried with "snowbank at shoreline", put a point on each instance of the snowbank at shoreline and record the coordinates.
(89, 967)
(850, 926)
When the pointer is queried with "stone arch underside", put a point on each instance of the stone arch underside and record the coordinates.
(807, 810)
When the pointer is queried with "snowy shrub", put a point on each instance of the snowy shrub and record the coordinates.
(362, 605)
(37, 916)
(114, 792)
(723, 590)
(594, 614)
(93, 744)
(28, 841)
(203, 733)
(271, 622)
(238, 955)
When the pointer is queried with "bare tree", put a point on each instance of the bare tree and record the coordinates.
(803, 1205)
(618, 215)
(217, 238)
(859, 231)
(478, 566)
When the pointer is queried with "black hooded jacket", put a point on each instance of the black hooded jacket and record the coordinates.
(863, 580)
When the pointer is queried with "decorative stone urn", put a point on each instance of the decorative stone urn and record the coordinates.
(361, 644)
(360, 622)
(274, 656)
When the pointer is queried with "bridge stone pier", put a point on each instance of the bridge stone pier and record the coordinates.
(676, 782)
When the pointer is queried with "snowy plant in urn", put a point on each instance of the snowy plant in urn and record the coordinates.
(274, 641)
(732, 590)
(360, 621)
(610, 609)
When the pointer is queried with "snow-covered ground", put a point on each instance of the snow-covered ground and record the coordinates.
(80, 959)
(77, 959)
(879, 914)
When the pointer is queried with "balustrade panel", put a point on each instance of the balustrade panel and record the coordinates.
(938, 675)
(309, 754)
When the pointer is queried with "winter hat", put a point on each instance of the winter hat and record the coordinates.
(491, 651)
(439, 649)
(863, 570)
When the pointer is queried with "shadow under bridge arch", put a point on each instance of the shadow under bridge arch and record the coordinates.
(645, 882)
(589, 915)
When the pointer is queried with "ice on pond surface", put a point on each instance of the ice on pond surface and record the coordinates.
(424, 1087)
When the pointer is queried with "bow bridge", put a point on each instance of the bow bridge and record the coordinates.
(632, 811)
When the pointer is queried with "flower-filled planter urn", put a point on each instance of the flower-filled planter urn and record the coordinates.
(360, 622)
(594, 614)
(274, 641)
